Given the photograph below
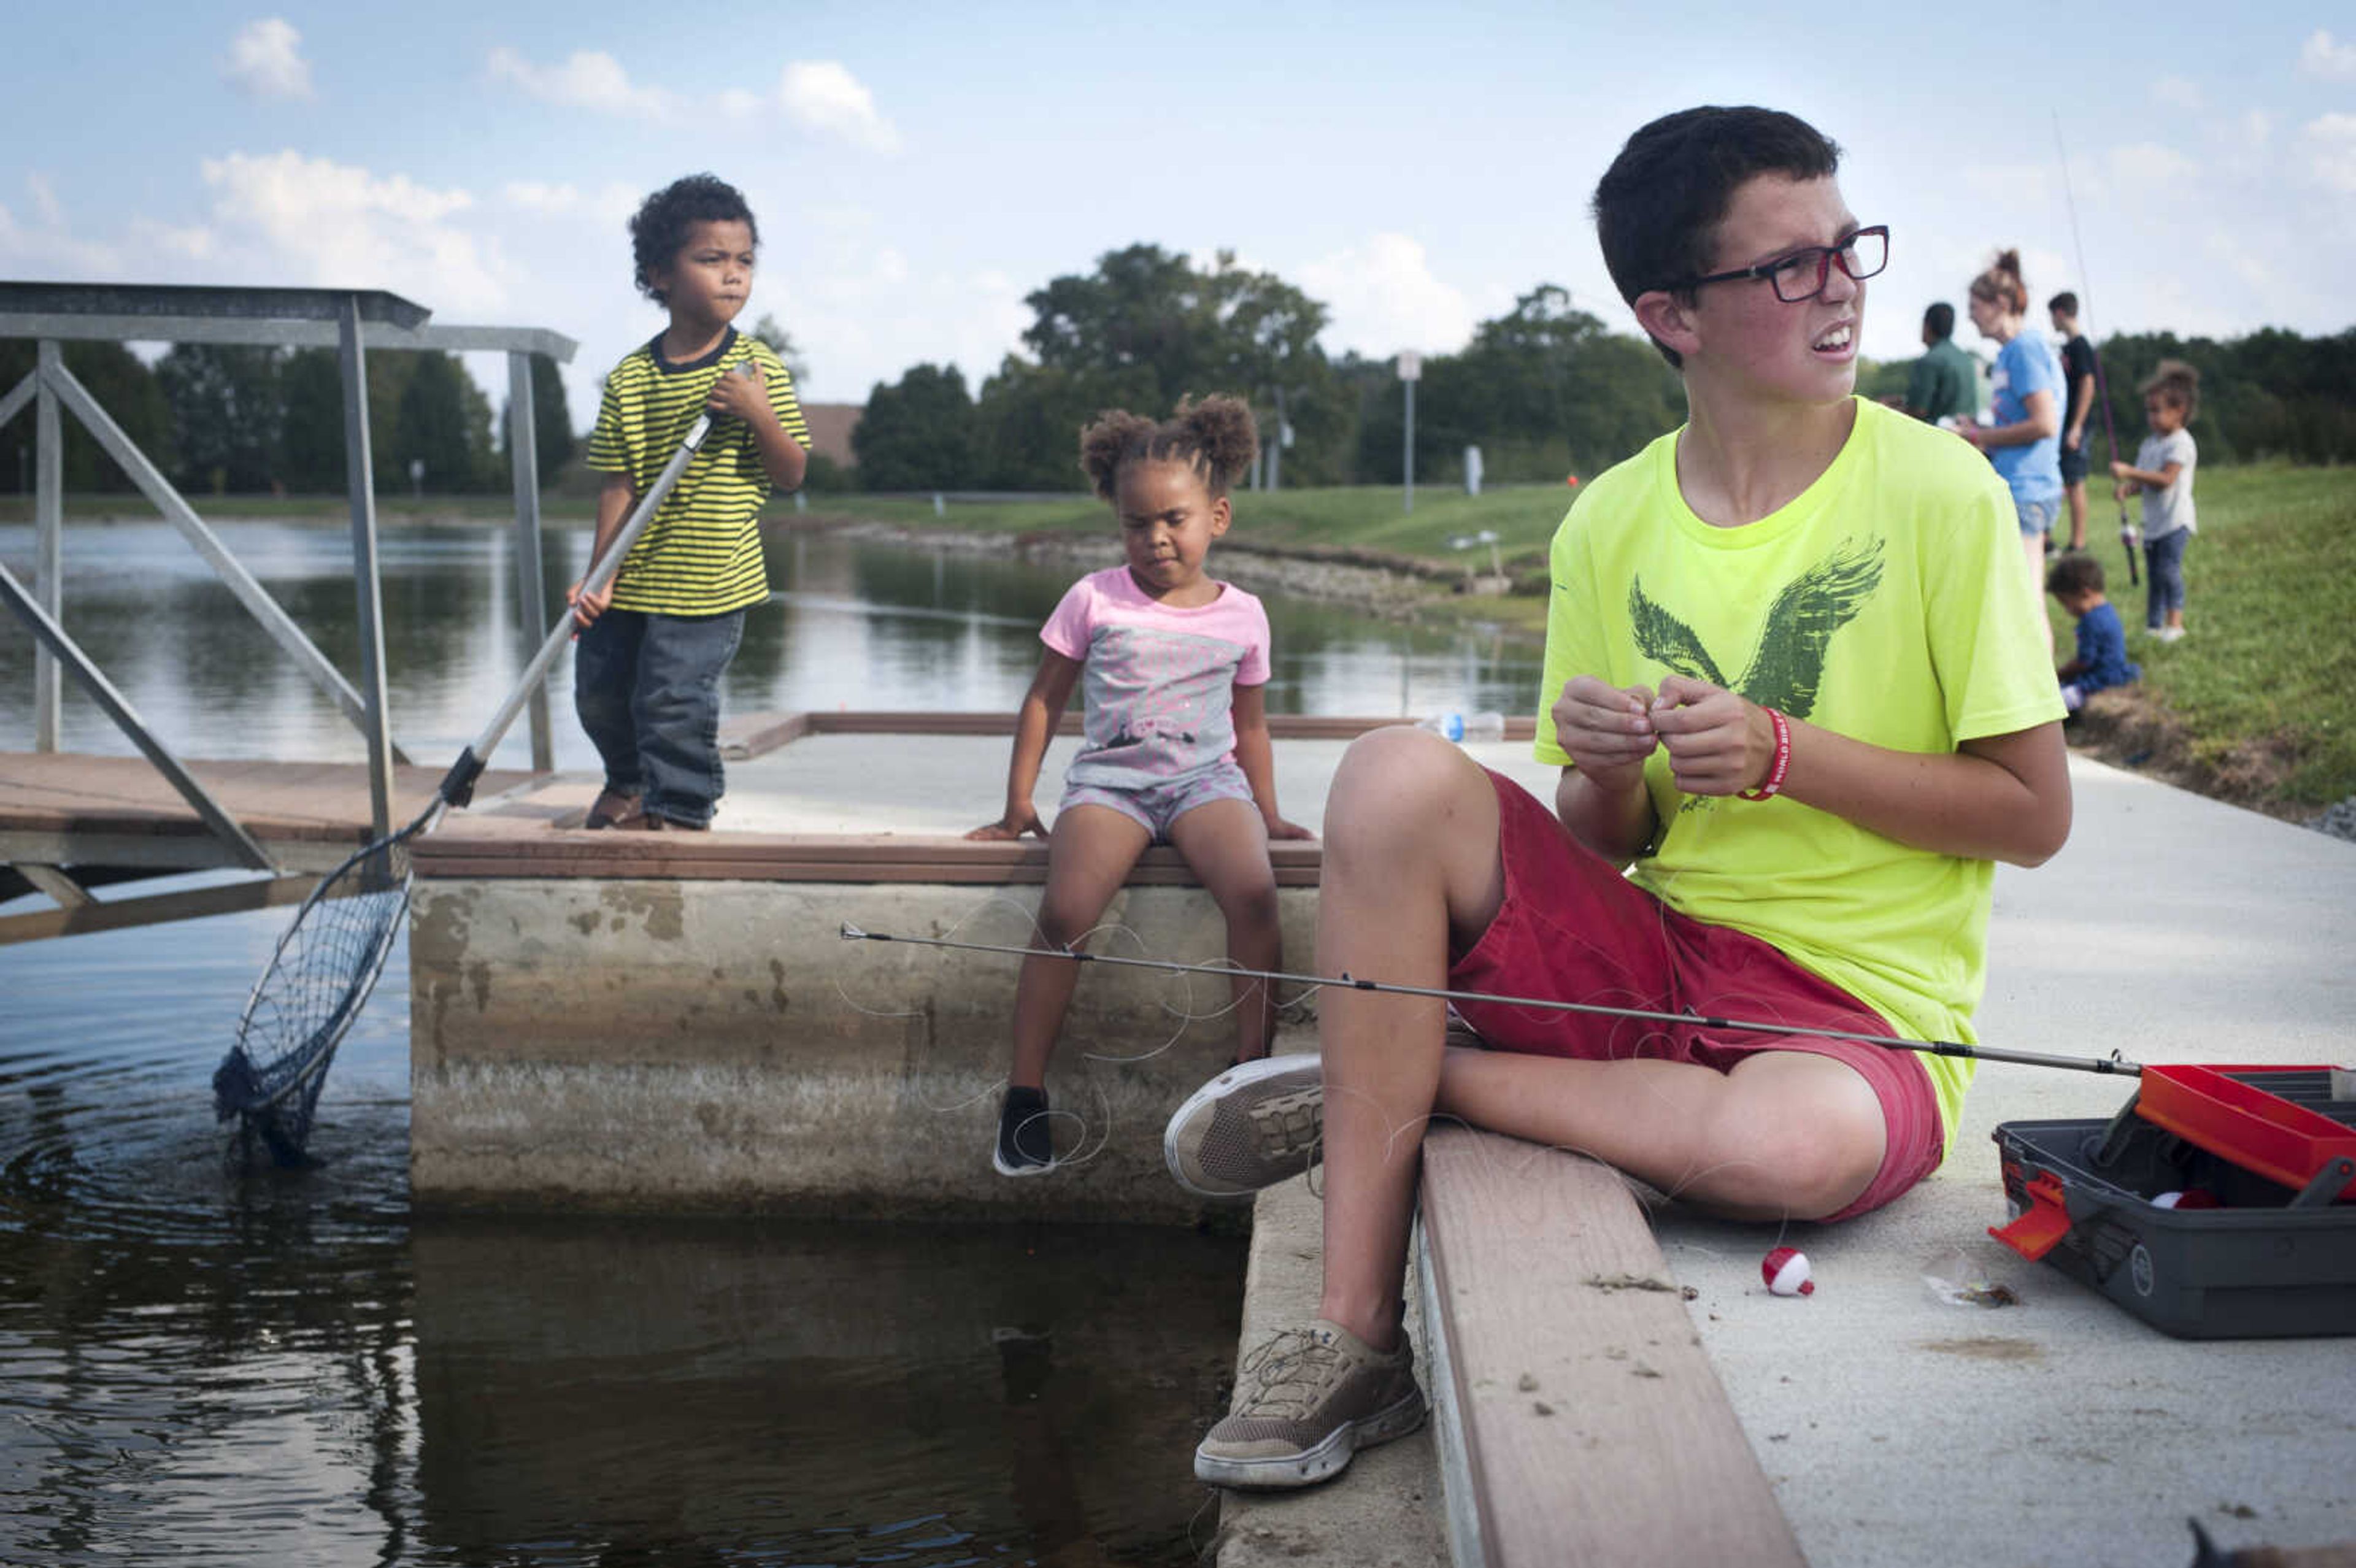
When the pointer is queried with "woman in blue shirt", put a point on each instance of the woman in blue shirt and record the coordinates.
(2024, 440)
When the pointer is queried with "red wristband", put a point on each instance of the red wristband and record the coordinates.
(1782, 764)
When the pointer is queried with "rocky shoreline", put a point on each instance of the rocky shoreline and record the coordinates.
(1394, 587)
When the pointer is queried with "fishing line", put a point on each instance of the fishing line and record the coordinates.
(2112, 1064)
(2127, 538)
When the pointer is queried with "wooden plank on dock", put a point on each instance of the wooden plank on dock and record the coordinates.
(1594, 1430)
(66, 795)
(154, 909)
(754, 733)
(500, 845)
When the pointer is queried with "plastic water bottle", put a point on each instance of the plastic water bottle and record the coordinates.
(1461, 727)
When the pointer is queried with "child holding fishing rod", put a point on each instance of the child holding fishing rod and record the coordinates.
(1795, 680)
(1174, 664)
(654, 643)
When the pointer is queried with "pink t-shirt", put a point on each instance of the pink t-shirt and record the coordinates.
(1159, 682)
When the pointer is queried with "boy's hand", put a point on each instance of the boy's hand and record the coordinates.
(1717, 743)
(1607, 732)
(587, 607)
(741, 392)
(1010, 827)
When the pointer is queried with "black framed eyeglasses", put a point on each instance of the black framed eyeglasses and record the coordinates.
(1801, 275)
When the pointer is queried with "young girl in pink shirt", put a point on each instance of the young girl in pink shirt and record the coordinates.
(1172, 666)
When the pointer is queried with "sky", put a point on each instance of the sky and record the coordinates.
(918, 169)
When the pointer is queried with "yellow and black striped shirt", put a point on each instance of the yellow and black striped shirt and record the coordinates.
(702, 553)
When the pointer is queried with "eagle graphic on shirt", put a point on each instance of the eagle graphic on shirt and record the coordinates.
(1787, 666)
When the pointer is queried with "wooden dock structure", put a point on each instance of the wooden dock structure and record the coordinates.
(70, 821)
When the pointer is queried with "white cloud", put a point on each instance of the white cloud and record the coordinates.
(2323, 56)
(1385, 297)
(2150, 163)
(610, 202)
(824, 96)
(265, 60)
(589, 79)
(2020, 184)
(2258, 129)
(2177, 91)
(2330, 145)
(335, 224)
(45, 197)
(49, 249)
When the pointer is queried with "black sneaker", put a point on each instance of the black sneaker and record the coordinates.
(1024, 1146)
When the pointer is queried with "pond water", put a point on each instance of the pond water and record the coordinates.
(197, 1364)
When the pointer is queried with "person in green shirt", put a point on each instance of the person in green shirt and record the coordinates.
(1944, 383)
(1799, 701)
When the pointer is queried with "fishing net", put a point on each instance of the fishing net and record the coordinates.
(318, 978)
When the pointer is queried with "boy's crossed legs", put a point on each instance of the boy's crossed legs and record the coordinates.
(1427, 856)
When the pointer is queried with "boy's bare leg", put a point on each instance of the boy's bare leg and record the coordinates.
(1225, 844)
(1090, 854)
(1785, 1135)
(2077, 498)
(1410, 859)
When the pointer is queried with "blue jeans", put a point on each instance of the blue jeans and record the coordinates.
(646, 688)
(2163, 564)
(2036, 516)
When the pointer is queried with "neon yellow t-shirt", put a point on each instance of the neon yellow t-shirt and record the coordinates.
(701, 555)
(1888, 602)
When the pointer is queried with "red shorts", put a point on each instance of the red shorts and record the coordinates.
(1573, 929)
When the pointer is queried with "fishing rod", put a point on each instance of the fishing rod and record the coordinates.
(2127, 536)
(2112, 1064)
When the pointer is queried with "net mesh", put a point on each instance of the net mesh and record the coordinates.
(318, 980)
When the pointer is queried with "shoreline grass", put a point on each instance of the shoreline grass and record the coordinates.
(2258, 703)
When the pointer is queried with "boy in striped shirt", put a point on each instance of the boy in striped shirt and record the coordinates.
(655, 642)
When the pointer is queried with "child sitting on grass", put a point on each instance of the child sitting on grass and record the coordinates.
(2102, 662)
(1176, 751)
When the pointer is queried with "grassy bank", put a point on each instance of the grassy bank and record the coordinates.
(2258, 702)
(2257, 705)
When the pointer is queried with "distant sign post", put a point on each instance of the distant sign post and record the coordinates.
(1410, 370)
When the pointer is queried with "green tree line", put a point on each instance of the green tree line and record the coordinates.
(1544, 391)
(227, 419)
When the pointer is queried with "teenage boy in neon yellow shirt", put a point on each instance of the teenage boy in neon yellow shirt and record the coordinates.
(1795, 681)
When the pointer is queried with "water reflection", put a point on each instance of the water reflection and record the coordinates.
(851, 626)
(293, 1369)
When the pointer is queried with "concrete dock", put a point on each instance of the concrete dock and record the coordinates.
(1895, 1426)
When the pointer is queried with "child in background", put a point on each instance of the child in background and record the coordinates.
(2162, 470)
(655, 642)
(1176, 748)
(2102, 662)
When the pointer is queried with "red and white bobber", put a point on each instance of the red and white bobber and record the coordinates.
(1786, 1273)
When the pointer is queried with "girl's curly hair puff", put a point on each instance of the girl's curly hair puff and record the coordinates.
(2001, 282)
(1216, 436)
(2177, 382)
(658, 228)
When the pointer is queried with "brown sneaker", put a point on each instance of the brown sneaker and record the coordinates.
(1306, 1400)
(611, 809)
(1251, 1126)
